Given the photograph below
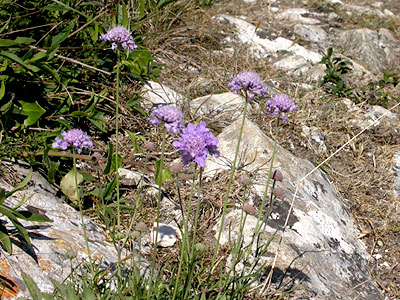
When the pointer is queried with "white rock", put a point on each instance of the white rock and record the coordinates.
(315, 138)
(396, 173)
(155, 94)
(320, 231)
(311, 33)
(335, 2)
(294, 64)
(377, 4)
(373, 113)
(226, 106)
(129, 177)
(388, 13)
(248, 34)
(298, 15)
(166, 235)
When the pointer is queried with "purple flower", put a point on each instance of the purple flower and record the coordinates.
(280, 104)
(170, 116)
(195, 143)
(119, 35)
(250, 82)
(75, 138)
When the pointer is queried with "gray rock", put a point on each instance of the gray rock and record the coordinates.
(166, 236)
(226, 106)
(320, 246)
(129, 177)
(57, 247)
(363, 120)
(315, 137)
(299, 15)
(263, 47)
(156, 94)
(294, 64)
(335, 2)
(357, 9)
(396, 170)
(374, 49)
(311, 33)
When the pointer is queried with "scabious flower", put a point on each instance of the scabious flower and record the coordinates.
(119, 35)
(250, 82)
(75, 138)
(170, 116)
(280, 104)
(195, 143)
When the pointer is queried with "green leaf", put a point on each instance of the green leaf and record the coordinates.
(2, 89)
(107, 168)
(110, 187)
(62, 36)
(98, 121)
(29, 216)
(69, 185)
(5, 239)
(88, 294)
(18, 60)
(22, 231)
(125, 19)
(134, 140)
(17, 42)
(33, 110)
(163, 3)
(161, 175)
(33, 289)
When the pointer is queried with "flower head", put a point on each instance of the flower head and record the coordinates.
(75, 138)
(195, 143)
(280, 103)
(250, 82)
(119, 35)
(170, 116)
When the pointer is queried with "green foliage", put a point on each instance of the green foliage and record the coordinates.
(14, 215)
(377, 93)
(55, 73)
(336, 67)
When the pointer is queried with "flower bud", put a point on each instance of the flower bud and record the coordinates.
(176, 167)
(141, 227)
(249, 209)
(277, 175)
(245, 179)
(149, 145)
(279, 193)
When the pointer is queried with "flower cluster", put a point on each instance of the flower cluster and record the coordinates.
(195, 143)
(250, 82)
(280, 104)
(119, 35)
(170, 116)
(75, 138)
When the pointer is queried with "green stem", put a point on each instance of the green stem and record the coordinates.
(158, 212)
(230, 182)
(185, 235)
(116, 150)
(194, 230)
(256, 231)
(81, 212)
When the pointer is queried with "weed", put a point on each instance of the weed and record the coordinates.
(333, 80)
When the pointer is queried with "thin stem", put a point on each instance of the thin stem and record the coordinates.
(230, 182)
(81, 212)
(158, 211)
(116, 149)
(194, 230)
(260, 214)
(185, 236)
